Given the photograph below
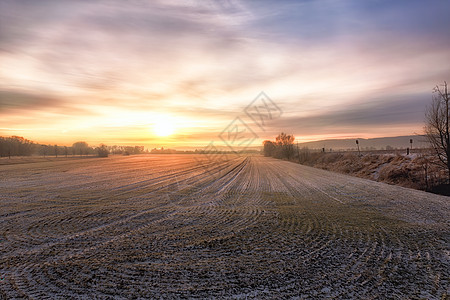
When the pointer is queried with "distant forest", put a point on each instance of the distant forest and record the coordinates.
(19, 146)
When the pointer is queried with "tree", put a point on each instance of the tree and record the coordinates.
(437, 125)
(102, 151)
(80, 148)
(286, 144)
(269, 148)
(44, 150)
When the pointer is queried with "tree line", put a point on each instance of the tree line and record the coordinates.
(19, 146)
(16, 146)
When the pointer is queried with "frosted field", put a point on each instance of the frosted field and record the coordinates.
(253, 227)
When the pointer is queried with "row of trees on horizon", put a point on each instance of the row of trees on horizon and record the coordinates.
(19, 146)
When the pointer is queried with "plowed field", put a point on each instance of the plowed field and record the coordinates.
(252, 227)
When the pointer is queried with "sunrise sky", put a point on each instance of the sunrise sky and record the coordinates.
(176, 73)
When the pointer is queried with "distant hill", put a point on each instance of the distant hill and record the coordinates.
(400, 142)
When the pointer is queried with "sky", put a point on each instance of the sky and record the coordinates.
(179, 74)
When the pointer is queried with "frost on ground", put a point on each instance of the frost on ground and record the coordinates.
(161, 226)
(422, 171)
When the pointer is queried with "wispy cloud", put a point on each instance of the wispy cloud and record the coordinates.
(330, 65)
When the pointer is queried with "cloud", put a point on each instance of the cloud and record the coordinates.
(11, 101)
(366, 117)
(14, 100)
(330, 65)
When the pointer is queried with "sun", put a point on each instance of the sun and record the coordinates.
(164, 127)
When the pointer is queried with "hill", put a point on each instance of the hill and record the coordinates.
(400, 142)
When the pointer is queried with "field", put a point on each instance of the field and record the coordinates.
(167, 226)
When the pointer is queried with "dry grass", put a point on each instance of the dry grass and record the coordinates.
(160, 226)
(403, 170)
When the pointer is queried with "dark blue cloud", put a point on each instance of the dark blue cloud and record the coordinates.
(370, 113)
(317, 21)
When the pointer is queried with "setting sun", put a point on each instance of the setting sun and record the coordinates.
(164, 127)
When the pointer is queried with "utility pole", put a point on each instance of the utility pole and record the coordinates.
(410, 141)
(298, 153)
(357, 144)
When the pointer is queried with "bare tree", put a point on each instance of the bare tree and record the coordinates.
(437, 125)
(286, 144)
(102, 151)
(80, 147)
(16, 146)
(269, 148)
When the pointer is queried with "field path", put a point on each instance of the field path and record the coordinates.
(180, 226)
